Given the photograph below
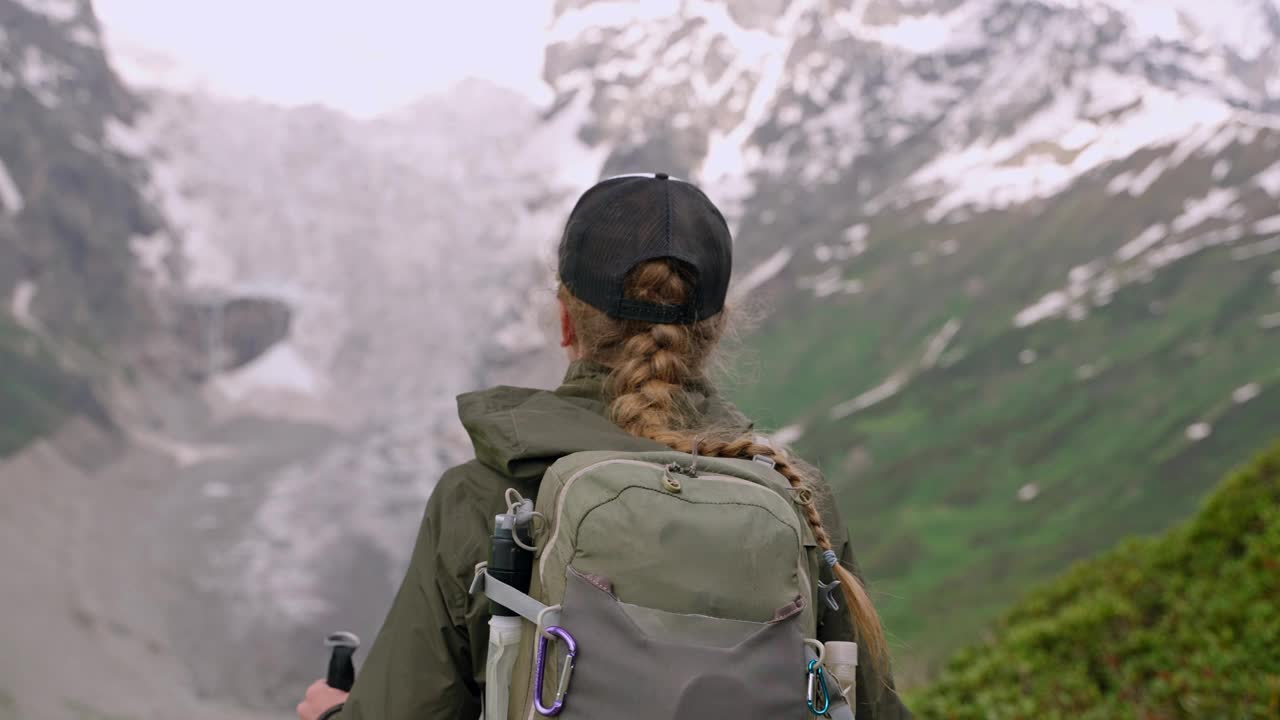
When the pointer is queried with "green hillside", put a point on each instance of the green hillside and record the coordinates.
(1186, 625)
(1018, 450)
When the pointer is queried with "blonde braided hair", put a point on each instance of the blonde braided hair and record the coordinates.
(652, 364)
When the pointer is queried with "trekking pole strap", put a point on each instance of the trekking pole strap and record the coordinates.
(512, 599)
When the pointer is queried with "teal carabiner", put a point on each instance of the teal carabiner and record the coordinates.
(815, 673)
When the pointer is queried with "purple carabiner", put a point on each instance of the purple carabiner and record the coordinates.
(541, 668)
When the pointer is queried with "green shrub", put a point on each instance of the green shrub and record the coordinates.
(1182, 626)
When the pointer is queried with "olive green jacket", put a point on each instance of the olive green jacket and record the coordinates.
(428, 660)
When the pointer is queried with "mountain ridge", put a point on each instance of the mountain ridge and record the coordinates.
(985, 238)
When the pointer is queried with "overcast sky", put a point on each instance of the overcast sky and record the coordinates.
(364, 57)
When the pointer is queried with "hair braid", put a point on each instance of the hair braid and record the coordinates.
(652, 364)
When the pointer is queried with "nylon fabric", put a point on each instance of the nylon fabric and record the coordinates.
(710, 564)
(634, 674)
(513, 599)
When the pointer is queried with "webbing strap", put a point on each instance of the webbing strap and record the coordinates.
(840, 710)
(514, 600)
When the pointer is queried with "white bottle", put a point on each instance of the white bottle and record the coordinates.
(841, 661)
(504, 645)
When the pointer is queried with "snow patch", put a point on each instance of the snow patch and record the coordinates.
(855, 243)
(1269, 322)
(1269, 180)
(1028, 356)
(918, 34)
(1055, 303)
(1198, 431)
(1240, 27)
(1216, 204)
(1172, 252)
(1268, 226)
(1087, 371)
(42, 75)
(763, 273)
(1245, 393)
(1028, 492)
(125, 139)
(787, 435)
(281, 368)
(939, 342)
(1011, 171)
(1221, 169)
(1145, 241)
(726, 162)
(829, 282)
(1138, 184)
(151, 253)
(878, 394)
(10, 197)
(20, 305)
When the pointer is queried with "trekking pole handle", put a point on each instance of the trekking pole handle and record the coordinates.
(342, 668)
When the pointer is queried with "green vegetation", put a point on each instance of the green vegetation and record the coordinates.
(35, 392)
(1181, 626)
(8, 708)
(1087, 417)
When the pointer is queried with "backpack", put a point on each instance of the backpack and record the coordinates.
(664, 585)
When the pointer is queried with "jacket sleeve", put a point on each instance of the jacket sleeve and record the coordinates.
(420, 666)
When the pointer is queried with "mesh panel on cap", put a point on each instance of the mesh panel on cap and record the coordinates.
(625, 221)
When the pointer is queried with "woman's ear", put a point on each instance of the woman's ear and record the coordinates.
(568, 336)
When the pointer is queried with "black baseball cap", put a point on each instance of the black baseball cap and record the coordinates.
(626, 220)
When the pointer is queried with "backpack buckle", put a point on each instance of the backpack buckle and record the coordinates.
(825, 594)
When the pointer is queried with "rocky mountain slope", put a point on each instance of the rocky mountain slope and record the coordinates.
(231, 339)
(69, 206)
(1013, 265)
(97, 362)
(412, 252)
(1016, 262)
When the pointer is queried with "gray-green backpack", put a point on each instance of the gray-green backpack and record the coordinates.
(664, 586)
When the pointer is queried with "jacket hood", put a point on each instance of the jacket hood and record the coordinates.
(520, 432)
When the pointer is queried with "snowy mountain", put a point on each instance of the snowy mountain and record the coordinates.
(94, 359)
(237, 331)
(1015, 265)
(1017, 261)
(413, 253)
